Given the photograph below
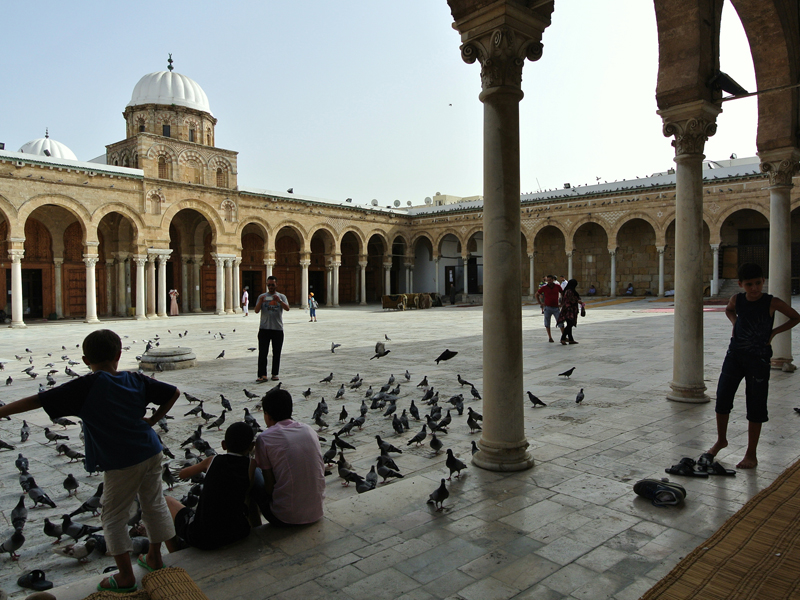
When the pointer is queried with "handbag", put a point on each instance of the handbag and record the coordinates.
(583, 309)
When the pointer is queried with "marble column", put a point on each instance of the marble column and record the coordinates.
(410, 269)
(228, 286)
(714, 269)
(141, 287)
(501, 41)
(91, 288)
(387, 283)
(237, 286)
(162, 285)
(197, 302)
(151, 286)
(336, 266)
(781, 165)
(16, 288)
(691, 125)
(128, 284)
(329, 284)
(58, 262)
(660, 270)
(613, 283)
(270, 262)
(436, 267)
(220, 262)
(304, 264)
(185, 290)
(121, 308)
(533, 281)
(363, 282)
(110, 287)
(569, 265)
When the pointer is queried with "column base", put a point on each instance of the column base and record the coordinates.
(690, 394)
(238, 310)
(20, 325)
(162, 316)
(92, 321)
(783, 364)
(152, 316)
(501, 459)
(140, 317)
(220, 312)
(197, 310)
(230, 311)
(362, 303)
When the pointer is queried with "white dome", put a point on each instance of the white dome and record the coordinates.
(168, 87)
(55, 149)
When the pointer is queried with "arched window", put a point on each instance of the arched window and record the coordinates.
(165, 130)
(141, 127)
(221, 178)
(191, 135)
(162, 168)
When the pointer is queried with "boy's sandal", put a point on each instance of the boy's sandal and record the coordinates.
(686, 468)
(142, 562)
(275, 378)
(34, 580)
(115, 588)
(262, 380)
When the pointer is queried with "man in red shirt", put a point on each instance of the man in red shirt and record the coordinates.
(549, 296)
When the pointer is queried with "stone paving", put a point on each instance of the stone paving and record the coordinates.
(571, 527)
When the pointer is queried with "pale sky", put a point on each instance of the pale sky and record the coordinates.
(360, 98)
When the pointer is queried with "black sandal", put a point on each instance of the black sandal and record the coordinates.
(34, 580)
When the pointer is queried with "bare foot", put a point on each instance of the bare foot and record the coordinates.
(717, 447)
(748, 462)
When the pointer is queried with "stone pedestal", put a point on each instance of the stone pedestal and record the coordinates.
(168, 359)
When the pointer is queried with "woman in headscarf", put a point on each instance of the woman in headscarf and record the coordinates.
(570, 307)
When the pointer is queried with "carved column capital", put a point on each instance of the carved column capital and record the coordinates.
(387, 266)
(362, 264)
(58, 262)
(16, 255)
(661, 249)
(305, 263)
(691, 125)
(270, 262)
(781, 165)
(90, 259)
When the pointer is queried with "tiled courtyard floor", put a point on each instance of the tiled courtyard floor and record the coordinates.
(571, 527)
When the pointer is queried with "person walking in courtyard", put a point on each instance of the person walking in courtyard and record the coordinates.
(312, 307)
(270, 329)
(752, 313)
(568, 315)
(245, 300)
(562, 281)
(173, 304)
(548, 297)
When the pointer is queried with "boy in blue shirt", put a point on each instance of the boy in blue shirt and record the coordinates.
(120, 441)
(752, 313)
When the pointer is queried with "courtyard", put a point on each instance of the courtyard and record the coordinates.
(571, 527)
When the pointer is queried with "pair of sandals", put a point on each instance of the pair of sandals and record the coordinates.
(662, 493)
(702, 467)
(266, 379)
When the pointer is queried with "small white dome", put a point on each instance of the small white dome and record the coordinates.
(54, 148)
(168, 87)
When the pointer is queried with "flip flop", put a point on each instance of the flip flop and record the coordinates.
(142, 562)
(260, 380)
(686, 468)
(34, 580)
(661, 493)
(115, 588)
(718, 469)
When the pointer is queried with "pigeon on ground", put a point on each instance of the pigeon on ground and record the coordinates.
(71, 485)
(364, 486)
(446, 355)
(34, 375)
(334, 346)
(357, 384)
(327, 379)
(385, 471)
(347, 427)
(79, 551)
(390, 410)
(19, 514)
(250, 419)
(407, 375)
(330, 454)
(535, 401)
(196, 410)
(207, 416)
(339, 393)
(6, 446)
(356, 378)
(307, 394)
(579, 397)
(168, 477)
(39, 496)
(438, 496)
(77, 530)
(21, 463)
(413, 410)
(26, 481)
(567, 373)
(428, 395)
(9, 381)
(52, 436)
(219, 422)
(463, 381)
(372, 477)
(436, 444)
(226, 404)
(319, 422)
(455, 465)
(341, 443)
(475, 415)
(386, 446)
(52, 530)
(448, 419)
(397, 425)
(419, 437)
(424, 382)
(359, 421)
(349, 476)
(384, 460)
(221, 354)
(191, 398)
(475, 448)
(322, 406)
(63, 421)
(12, 544)
(475, 393)
(473, 425)
(343, 414)
(404, 420)
(70, 372)
(364, 408)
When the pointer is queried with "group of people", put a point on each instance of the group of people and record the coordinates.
(562, 301)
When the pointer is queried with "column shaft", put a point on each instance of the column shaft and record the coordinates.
(780, 266)
(128, 283)
(613, 284)
(110, 287)
(16, 288)
(714, 269)
(533, 281)
(336, 284)
(387, 284)
(304, 264)
(91, 289)
(237, 285)
(185, 290)
(58, 262)
(220, 262)
(363, 283)
(197, 303)
(162, 286)
(229, 286)
(121, 308)
(151, 286)
(660, 271)
(569, 265)
(141, 287)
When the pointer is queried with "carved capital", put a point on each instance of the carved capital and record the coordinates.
(691, 125)
(781, 166)
(16, 255)
(502, 55)
(362, 264)
(58, 262)
(270, 262)
(140, 261)
(90, 261)
(305, 263)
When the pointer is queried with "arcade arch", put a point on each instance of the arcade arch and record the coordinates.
(637, 257)
(591, 260)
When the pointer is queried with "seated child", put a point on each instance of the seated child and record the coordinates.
(629, 291)
(221, 514)
(592, 290)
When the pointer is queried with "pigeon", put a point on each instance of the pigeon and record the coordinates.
(390, 410)
(380, 354)
(438, 496)
(191, 398)
(79, 551)
(387, 338)
(12, 544)
(196, 410)
(579, 397)
(70, 372)
(347, 427)
(364, 408)
(21, 463)
(275, 388)
(26, 481)
(77, 530)
(327, 379)
(419, 437)
(404, 420)
(195, 436)
(330, 454)
(207, 416)
(343, 462)
(424, 382)
(50, 381)
(475, 393)
(476, 416)
(386, 472)
(372, 477)
(226, 404)
(448, 419)
(386, 446)
(413, 410)
(473, 425)
(341, 443)
(464, 382)
(364, 486)
(322, 406)
(218, 423)
(343, 415)
(71, 485)
(340, 392)
(9, 381)
(34, 375)
(334, 346)
(63, 421)
(428, 395)
(446, 355)
(567, 373)
(357, 384)
(455, 465)
(385, 388)
(384, 460)
(221, 354)
(6, 445)
(359, 421)
(407, 375)
(39, 496)
(320, 423)
(397, 425)
(535, 401)
(168, 477)
(475, 448)
(250, 395)
(250, 419)
(349, 476)
(53, 436)
(52, 530)
(434, 425)
(19, 514)
(356, 378)
(307, 394)
(436, 443)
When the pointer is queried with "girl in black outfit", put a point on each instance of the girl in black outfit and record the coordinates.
(570, 307)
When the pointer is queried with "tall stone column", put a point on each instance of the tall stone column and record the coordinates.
(197, 303)
(270, 262)
(16, 288)
(501, 39)
(162, 285)
(329, 284)
(90, 260)
(533, 281)
(58, 262)
(569, 265)
(436, 266)
(411, 279)
(185, 290)
(387, 283)
(228, 286)
(151, 286)
(110, 287)
(121, 308)
(691, 125)
(660, 270)
(363, 282)
(613, 283)
(305, 262)
(781, 165)
(220, 262)
(128, 284)
(714, 269)
(141, 287)
(237, 284)
(336, 265)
